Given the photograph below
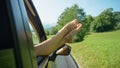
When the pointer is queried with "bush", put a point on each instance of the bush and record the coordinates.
(117, 26)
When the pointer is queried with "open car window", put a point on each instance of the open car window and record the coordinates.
(35, 24)
(35, 37)
(35, 21)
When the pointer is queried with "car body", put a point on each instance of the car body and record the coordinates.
(16, 45)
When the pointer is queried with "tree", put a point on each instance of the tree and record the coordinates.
(103, 22)
(47, 32)
(116, 16)
(53, 30)
(68, 15)
(71, 13)
(85, 28)
(89, 19)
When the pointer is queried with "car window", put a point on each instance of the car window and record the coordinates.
(35, 37)
(36, 28)
(35, 24)
(7, 59)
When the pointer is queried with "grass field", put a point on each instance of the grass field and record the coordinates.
(98, 50)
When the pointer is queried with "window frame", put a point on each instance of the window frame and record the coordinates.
(23, 46)
(35, 20)
(38, 27)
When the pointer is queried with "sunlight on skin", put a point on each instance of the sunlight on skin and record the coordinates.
(63, 36)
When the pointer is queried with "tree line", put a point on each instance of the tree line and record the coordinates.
(105, 21)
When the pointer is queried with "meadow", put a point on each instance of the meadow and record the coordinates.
(98, 50)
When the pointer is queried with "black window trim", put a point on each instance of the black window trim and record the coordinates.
(35, 20)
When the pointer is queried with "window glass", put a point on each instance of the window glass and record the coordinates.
(35, 37)
(7, 59)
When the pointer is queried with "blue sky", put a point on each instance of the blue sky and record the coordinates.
(50, 10)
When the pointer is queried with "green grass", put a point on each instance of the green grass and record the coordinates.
(98, 50)
(49, 36)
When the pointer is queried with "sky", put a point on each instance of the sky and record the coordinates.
(50, 10)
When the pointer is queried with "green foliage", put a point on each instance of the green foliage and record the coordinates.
(55, 29)
(68, 15)
(85, 28)
(103, 22)
(71, 13)
(47, 32)
(87, 22)
(116, 16)
(107, 20)
(98, 50)
(117, 26)
(80, 36)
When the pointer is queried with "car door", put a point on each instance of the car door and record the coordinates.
(60, 61)
(16, 47)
